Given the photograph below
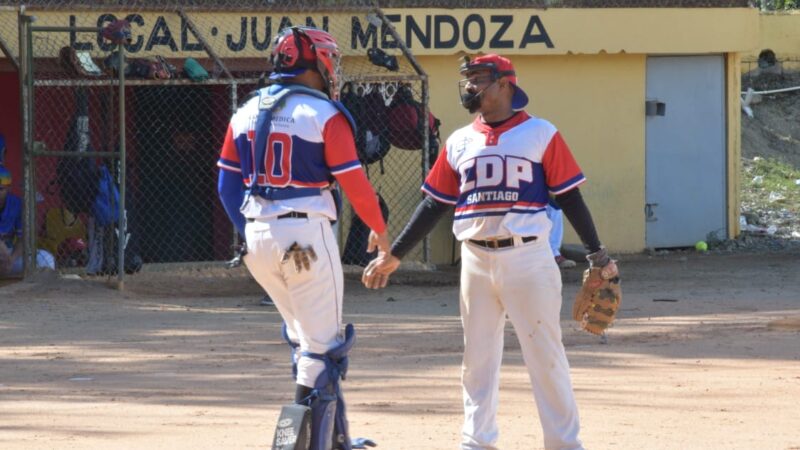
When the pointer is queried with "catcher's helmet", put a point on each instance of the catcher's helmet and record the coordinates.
(297, 49)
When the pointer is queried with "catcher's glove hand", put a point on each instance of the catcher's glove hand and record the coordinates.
(600, 296)
(302, 256)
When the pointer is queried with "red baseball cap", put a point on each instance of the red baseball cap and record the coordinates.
(501, 67)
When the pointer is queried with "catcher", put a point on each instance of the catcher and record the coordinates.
(283, 151)
(498, 172)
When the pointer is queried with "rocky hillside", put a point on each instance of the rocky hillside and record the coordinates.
(771, 167)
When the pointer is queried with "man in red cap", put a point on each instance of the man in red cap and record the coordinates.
(498, 172)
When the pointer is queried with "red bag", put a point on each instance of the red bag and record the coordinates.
(156, 68)
(404, 130)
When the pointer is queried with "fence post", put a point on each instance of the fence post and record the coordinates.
(122, 224)
(25, 38)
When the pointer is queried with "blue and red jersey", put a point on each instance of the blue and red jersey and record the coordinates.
(500, 179)
(310, 145)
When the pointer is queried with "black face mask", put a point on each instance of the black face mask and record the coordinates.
(472, 101)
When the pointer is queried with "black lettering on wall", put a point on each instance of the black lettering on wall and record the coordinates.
(310, 22)
(161, 35)
(73, 38)
(260, 44)
(136, 45)
(477, 43)
(387, 40)
(423, 37)
(497, 40)
(187, 46)
(361, 37)
(530, 38)
(242, 42)
(438, 21)
(285, 23)
(104, 44)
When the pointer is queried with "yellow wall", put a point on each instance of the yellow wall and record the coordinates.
(734, 136)
(779, 32)
(556, 31)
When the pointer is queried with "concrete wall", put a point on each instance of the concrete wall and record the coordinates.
(779, 32)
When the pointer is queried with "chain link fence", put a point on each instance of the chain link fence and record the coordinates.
(150, 148)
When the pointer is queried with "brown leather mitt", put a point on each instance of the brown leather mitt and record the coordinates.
(302, 256)
(597, 302)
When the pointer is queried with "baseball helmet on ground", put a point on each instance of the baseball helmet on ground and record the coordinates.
(297, 49)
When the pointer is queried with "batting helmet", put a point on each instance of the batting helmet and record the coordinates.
(118, 32)
(297, 49)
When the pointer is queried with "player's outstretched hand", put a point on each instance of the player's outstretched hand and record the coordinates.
(376, 274)
(378, 241)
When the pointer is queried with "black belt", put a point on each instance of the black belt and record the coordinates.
(290, 215)
(501, 243)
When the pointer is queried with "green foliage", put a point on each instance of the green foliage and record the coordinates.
(777, 5)
(771, 181)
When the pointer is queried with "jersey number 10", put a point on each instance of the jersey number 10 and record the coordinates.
(278, 164)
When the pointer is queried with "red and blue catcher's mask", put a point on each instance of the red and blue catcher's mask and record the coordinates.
(497, 67)
(297, 49)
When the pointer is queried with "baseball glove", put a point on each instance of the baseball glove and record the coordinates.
(598, 300)
(238, 256)
(302, 256)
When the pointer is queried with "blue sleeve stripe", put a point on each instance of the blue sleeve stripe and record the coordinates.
(569, 184)
(438, 195)
(346, 167)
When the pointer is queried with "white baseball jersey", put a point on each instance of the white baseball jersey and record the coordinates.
(499, 178)
(296, 155)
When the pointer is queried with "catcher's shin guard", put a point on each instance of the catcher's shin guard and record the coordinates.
(329, 427)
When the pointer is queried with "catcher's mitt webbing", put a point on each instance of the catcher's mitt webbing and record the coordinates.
(597, 302)
(302, 256)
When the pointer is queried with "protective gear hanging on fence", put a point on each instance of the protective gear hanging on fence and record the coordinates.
(118, 32)
(369, 113)
(403, 120)
(78, 63)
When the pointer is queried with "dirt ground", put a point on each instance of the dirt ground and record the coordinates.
(706, 354)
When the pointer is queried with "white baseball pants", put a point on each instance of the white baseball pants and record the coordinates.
(524, 283)
(310, 302)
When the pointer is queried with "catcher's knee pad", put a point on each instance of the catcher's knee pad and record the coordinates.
(329, 429)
